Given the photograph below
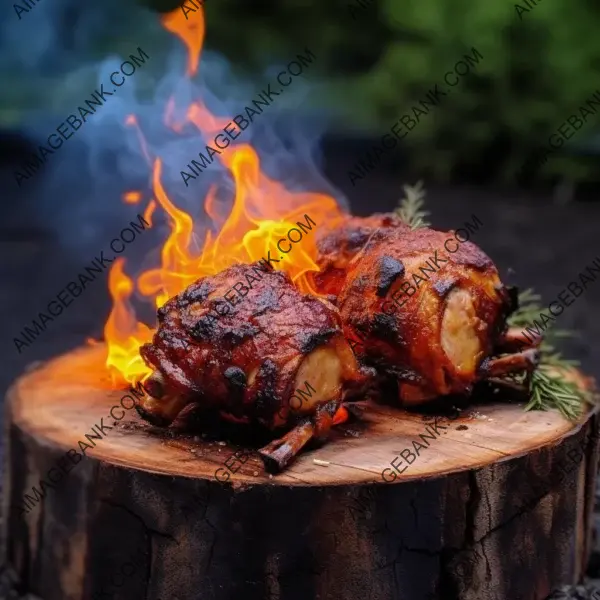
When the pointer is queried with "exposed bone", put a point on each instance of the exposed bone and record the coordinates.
(514, 340)
(513, 363)
(161, 406)
(155, 385)
(277, 454)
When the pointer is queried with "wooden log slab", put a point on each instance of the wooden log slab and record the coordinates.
(495, 504)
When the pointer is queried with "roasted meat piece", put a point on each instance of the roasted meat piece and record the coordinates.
(247, 343)
(340, 246)
(431, 311)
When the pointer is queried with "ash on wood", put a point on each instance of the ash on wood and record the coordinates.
(496, 506)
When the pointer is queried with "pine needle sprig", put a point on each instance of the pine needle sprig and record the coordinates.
(550, 387)
(412, 207)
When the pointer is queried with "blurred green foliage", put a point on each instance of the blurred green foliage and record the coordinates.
(374, 62)
(377, 61)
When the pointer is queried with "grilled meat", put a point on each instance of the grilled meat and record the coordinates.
(429, 314)
(340, 246)
(245, 342)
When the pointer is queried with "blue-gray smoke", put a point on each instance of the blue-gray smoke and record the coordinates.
(61, 51)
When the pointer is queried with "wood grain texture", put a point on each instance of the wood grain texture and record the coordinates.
(497, 507)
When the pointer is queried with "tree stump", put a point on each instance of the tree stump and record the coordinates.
(496, 506)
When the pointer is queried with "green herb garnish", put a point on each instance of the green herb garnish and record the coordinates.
(549, 386)
(411, 209)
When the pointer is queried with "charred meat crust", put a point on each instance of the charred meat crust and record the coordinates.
(385, 327)
(389, 270)
(338, 247)
(235, 377)
(313, 340)
(343, 242)
(243, 359)
(197, 292)
(402, 329)
(267, 399)
(444, 286)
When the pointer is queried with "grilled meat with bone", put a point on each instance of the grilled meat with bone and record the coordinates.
(245, 356)
(433, 318)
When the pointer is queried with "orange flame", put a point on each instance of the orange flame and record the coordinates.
(262, 212)
(190, 28)
(126, 333)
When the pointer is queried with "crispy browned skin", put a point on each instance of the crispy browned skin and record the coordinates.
(338, 247)
(436, 340)
(248, 362)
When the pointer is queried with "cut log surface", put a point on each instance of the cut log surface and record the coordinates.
(492, 505)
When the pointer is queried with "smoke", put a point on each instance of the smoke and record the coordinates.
(62, 52)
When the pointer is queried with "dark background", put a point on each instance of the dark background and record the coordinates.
(535, 73)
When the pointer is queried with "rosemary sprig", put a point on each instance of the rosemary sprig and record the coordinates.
(549, 386)
(550, 389)
(411, 209)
